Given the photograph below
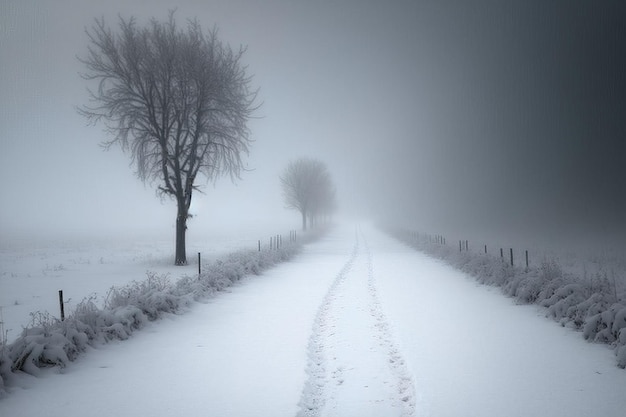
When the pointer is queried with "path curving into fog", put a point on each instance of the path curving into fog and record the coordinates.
(358, 324)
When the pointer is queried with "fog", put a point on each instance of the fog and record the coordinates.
(477, 118)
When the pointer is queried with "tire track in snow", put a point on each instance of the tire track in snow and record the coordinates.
(313, 398)
(403, 378)
(353, 361)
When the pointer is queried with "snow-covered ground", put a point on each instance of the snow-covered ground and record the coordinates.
(32, 272)
(357, 325)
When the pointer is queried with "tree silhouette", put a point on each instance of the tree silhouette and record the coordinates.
(177, 99)
(308, 187)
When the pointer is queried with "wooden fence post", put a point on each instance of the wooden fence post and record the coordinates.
(511, 256)
(526, 258)
(61, 305)
(199, 264)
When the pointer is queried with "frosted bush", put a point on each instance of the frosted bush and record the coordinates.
(619, 323)
(130, 318)
(605, 333)
(528, 287)
(608, 326)
(79, 339)
(499, 271)
(592, 326)
(564, 298)
(482, 268)
(38, 348)
(550, 270)
(86, 318)
(136, 290)
(595, 304)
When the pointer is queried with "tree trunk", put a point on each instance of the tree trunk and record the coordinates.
(303, 220)
(181, 228)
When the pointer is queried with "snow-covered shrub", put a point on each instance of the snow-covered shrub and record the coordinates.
(76, 333)
(552, 278)
(481, 267)
(38, 348)
(619, 322)
(152, 296)
(593, 325)
(606, 326)
(527, 286)
(499, 272)
(86, 319)
(563, 302)
(550, 270)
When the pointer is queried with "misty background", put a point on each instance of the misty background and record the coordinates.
(493, 119)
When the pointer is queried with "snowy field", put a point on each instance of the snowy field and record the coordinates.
(32, 272)
(357, 325)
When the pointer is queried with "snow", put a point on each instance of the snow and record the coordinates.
(475, 353)
(357, 324)
(33, 271)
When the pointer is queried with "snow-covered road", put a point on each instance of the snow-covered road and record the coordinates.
(355, 367)
(357, 325)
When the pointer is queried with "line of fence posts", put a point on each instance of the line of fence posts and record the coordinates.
(276, 242)
(511, 255)
(438, 239)
(464, 246)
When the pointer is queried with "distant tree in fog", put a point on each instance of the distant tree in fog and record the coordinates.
(308, 187)
(178, 99)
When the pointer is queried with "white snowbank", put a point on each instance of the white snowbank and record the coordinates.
(591, 305)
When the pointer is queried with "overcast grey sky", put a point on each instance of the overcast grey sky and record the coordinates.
(469, 117)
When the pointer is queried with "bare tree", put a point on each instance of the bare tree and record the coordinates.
(308, 188)
(177, 99)
(324, 201)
